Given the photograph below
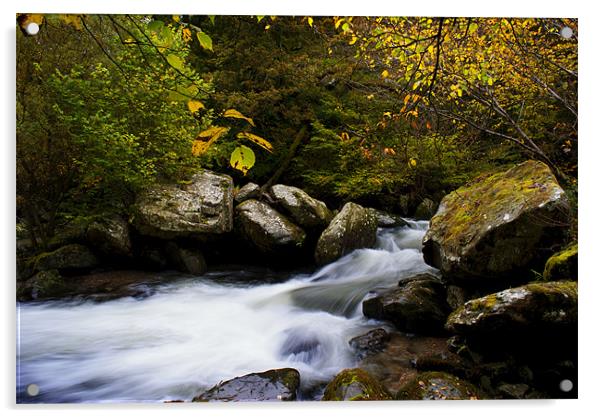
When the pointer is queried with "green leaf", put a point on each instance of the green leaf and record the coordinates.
(212, 19)
(260, 18)
(175, 61)
(242, 158)
(205, 40)
(310, 21)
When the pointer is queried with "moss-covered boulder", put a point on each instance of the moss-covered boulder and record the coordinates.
(43, 285)
(425, 210)
(72, 257)
(497, 226)
(418, 305)
(437, 386)
(110, 236)
(271, 385)
(355, 385)
(352, 228)
(534, 310)
(303, 209)
(562, 265)
(200, 207)
(266, 229)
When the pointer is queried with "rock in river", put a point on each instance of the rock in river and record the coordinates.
(201, 207)
(271, 385)
(304, 210)
(268, 230)
(354, 227)
(496, 226)
(417, 305)
(437, 386)
(355, 385)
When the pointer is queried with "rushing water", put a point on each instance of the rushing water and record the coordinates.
(193, 333)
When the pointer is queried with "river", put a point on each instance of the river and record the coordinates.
(192, 333)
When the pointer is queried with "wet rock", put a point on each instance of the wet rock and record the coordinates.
(513, 391)
(303, 209)
(267, 230)
(246, 192)
(352, 228)
(355, 385)
(200, 208)
(110, 237)
(437, 386)
(496, 227)
(537, 311)
(186, 260)
(425, 210)
(456, 296)
(272, 385)
(417, 305)
(562, 265)
(388, 220)
(72, 257)
(43, 285)
(371, 342)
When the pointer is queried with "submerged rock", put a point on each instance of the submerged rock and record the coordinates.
(355, 385)
(437, 386)
(110, 236)
(537, 309)
(371, 342)
(304, 210)
(204, 206)
(72, 257)
(246, 192)
(417, 305)
(496, 226)
(352, 228)
(268, 230)
(562, 265)
(271, 385)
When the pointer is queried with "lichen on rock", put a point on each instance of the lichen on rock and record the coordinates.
(355, 385)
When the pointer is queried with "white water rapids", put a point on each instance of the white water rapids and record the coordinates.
(195, 332)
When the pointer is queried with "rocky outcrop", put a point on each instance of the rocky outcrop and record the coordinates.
(111, 237)
(535, 308)
(562, 265)
(437, 386)
(355, 385)
(417, 305)
(272, 385)
(200, 208)
(496, 227)
(72, 257)
(354, 227)
(246, 192)
(268, 230)
(303, 209)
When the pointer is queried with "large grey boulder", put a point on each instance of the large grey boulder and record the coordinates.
(272, 385)
(354, 227)
(497, 226)
(110, 236)
(304, 210)
(197, 209)
(267, 229)
(246, 192)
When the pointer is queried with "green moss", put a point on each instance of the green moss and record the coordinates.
(342, 386)
(435, 386)
(562, 265)
(554, 290)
